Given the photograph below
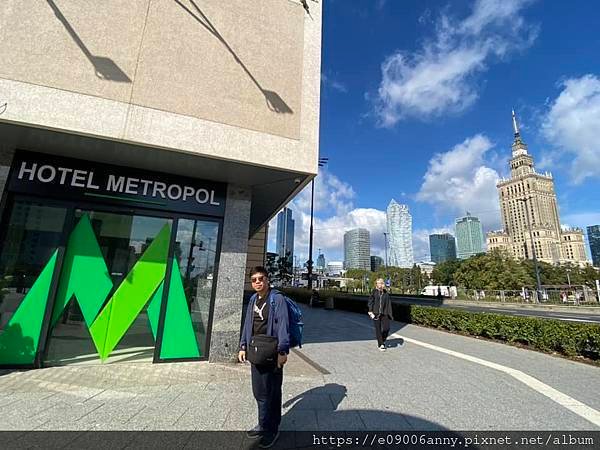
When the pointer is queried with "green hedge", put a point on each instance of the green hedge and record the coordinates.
(566, 338)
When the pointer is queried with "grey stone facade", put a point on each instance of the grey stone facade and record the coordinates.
(231, 275)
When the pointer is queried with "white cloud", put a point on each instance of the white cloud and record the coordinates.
(459, 180)
(334, 214)
(331, 194)
(571, 125)
(441, 76)
(334, 84)
(581, 219)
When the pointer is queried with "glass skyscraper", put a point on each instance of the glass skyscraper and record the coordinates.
(321, 265)
(469, 236)
(442, 247)
(357, 249)
(594, 240)
(376, 263)
(399, 228)
(285, 234)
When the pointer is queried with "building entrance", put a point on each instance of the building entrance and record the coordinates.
(101, 284)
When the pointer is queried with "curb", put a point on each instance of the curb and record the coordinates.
(572, 309)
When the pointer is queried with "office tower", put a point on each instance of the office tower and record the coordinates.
(399, 228)
(357, 249)
(442, 247)
(285, 234)
(469, 236)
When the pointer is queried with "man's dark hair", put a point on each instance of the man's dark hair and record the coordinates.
(259, 269)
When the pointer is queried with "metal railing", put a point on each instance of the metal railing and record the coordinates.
(574, 295)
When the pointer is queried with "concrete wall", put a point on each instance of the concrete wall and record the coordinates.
(231, 275)
(209, 77)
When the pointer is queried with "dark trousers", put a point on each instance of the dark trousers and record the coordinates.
(382, 329)
(266, 387)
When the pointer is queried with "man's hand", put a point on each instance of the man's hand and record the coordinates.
(242, 356)
(281, 360)
(371, 315)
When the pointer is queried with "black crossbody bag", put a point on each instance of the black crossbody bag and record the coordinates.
(262, 350)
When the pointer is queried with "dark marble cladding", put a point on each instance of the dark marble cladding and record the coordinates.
(6, 156)
(230, 284)
(224, 346)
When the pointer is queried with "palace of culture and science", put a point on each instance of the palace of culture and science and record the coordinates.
(530, 211)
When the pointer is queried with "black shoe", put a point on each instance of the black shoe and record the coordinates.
(268, 440)
(255, 432)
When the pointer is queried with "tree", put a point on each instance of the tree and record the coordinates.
(495, 270)
(416, 279)
(271, 265)
(284, 269)
(443, 273)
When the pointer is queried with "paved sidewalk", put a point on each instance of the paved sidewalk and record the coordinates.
(341, 381)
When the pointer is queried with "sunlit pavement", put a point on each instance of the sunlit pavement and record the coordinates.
(339, 380)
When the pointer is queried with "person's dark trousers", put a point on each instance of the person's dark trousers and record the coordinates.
(382, 329)
(266, 387)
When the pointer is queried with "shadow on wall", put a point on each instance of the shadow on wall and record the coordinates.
(105, 68)
(274, 102)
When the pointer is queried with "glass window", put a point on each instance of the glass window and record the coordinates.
(109, 294)
(195, 252)
(26, 266)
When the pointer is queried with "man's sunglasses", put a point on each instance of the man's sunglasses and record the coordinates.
(257, 279)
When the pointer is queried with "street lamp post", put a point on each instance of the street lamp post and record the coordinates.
(533, 253)
(322, 162)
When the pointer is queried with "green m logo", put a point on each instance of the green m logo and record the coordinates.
(85, 277)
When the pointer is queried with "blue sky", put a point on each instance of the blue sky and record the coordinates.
(416, 105)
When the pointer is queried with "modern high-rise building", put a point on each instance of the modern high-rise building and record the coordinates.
(321, 264)
(357, 249)
(530, 211)
(285, 234)
(335, 267)
(376, 263)
(593, 232)
(399, 230)
(469, 236)
(442, 247)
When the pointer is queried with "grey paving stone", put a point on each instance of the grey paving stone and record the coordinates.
(384, 420)
(115, 412)
(202, 419)
(407, 387)
(299, 420)
(339, 420)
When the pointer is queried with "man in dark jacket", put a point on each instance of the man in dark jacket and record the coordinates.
(380, 311)
(267, 314)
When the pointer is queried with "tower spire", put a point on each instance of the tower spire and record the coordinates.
(515, 126)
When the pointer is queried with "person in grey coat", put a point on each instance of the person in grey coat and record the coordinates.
(380, 311)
